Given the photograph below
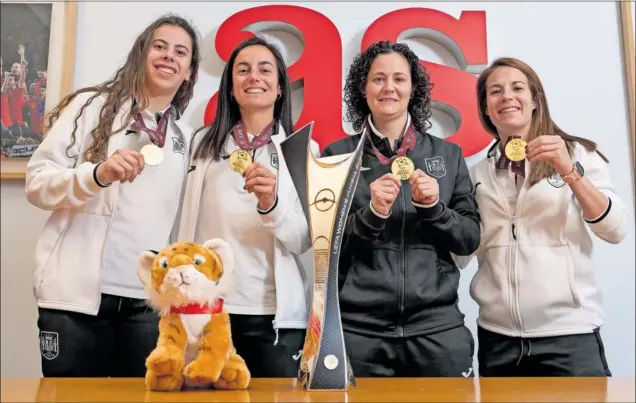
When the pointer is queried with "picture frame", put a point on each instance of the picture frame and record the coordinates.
(627, 29)
(59, 71)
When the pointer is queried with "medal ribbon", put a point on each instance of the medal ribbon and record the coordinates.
(242, 140)
(158, 135)
(408, 143)
(518, 167)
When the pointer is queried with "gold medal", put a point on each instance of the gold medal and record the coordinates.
(516, 150)
(403, 167)
(240, 160)
(153, 155)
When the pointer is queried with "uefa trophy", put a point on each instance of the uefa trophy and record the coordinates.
(325, 187)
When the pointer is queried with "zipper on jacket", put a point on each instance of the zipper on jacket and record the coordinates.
(514, 262)
(515, 312)
(514, 276)
(402, 294)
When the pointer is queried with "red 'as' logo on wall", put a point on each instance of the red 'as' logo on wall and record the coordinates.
(320, 65)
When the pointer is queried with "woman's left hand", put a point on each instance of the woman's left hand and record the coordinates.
(550, 148)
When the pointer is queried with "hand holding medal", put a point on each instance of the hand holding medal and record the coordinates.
(384, 191)
(262, 182)
(551, 148)
(425, 188)
(124, 166)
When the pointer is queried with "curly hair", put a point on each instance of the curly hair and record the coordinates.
(357, 107)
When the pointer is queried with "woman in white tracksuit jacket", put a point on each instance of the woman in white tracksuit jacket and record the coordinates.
(109, 203)
(539, 304)
(251, 203)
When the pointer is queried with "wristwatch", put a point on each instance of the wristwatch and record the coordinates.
(576, 174)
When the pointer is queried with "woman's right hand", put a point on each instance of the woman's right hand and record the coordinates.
(124, 166)
(384, 191)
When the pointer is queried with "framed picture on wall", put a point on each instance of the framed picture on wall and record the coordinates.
(627, 24)
(38, 57)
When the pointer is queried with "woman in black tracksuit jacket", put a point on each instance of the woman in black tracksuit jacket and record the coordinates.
(398, 281)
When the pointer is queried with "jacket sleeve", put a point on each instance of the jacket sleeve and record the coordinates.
(612, 225)
(53, 179)
(463, 261)
(287, 220)
(188, 137)
(457, 225)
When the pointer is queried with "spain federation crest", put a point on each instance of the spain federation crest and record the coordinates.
(435, 167)
(274, 160)
(49, 344)
(556, 180)
(178, 146)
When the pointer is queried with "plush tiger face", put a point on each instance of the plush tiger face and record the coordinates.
(186, 272)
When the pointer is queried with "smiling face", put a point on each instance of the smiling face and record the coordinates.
(255, 78)
(509, 101)
(389, 86)
(168, 60)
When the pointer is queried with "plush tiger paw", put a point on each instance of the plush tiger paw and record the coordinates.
(235, 375)
(199, 374)
(165, 366)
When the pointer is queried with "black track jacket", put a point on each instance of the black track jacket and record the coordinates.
(396, 275)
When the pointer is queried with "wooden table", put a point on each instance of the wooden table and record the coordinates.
(367, 390)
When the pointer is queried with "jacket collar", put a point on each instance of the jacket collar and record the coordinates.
(279, 133)
(377, 133)
(493, 151)
(277, 137)
(176, 113)
(382, 142)
(176, 116)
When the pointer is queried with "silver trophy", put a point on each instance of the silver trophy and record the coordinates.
(328, 184)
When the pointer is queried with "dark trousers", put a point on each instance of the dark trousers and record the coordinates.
(448, 353)
(254, 337)
(573, 355)
(115, 343)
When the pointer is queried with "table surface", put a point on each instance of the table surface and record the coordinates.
(366, 390)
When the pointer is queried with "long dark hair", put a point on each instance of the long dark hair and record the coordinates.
(541, 125)
(227, 110)
(357, 107)
(128, 83)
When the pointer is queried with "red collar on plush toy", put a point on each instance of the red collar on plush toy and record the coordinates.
(195, 307)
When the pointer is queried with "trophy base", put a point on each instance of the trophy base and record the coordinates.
(341, 379)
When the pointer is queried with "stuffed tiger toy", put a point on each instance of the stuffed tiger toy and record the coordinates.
(186, 283)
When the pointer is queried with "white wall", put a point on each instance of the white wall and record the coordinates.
(580, 67)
